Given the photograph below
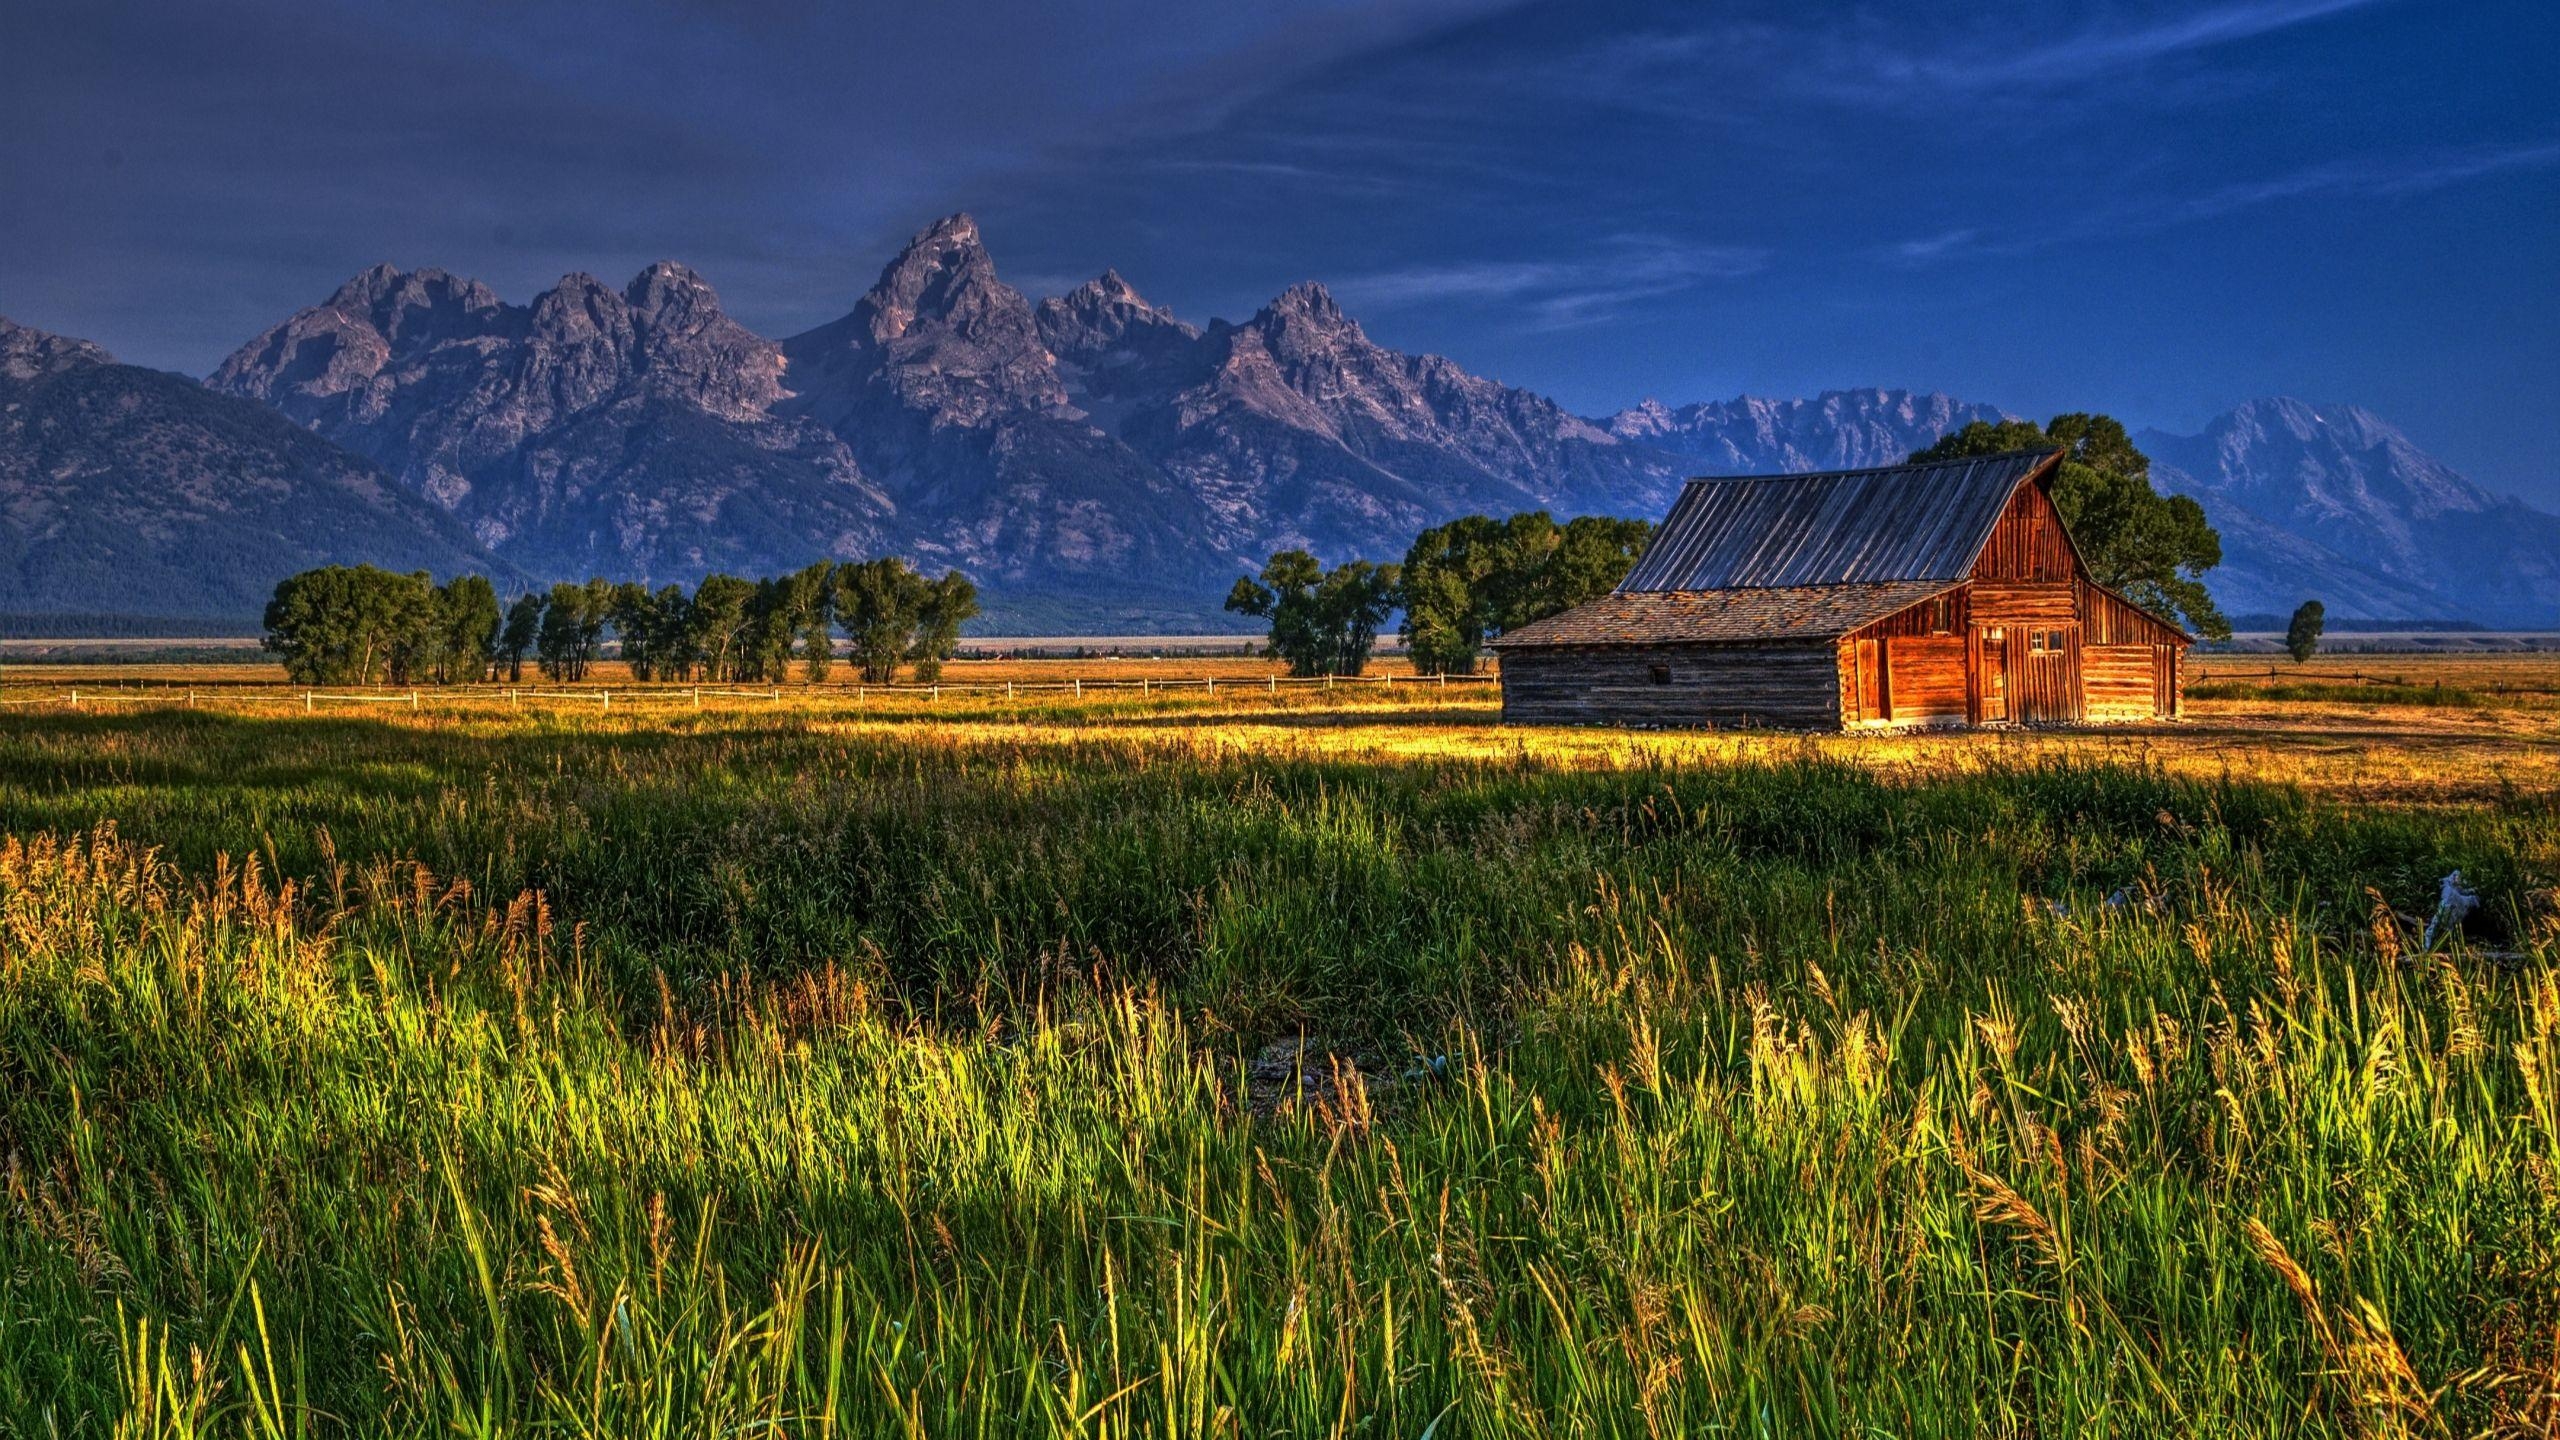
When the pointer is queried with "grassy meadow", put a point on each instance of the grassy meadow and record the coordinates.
(1226, 1063)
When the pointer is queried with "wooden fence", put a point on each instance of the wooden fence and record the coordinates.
(93, 695)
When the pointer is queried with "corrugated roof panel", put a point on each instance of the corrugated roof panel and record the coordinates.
(1904, 522)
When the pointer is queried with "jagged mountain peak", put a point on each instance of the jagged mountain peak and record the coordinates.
(945, 276)
(26, 352)
(1308, 303)
(393, 300)
(1106, 322)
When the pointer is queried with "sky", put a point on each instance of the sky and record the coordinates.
(2153, 208)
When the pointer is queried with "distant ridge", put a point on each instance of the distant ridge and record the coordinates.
(2332, 502)
(1097, 463)
(126, 491)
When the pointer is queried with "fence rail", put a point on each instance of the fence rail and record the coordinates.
(605, 698)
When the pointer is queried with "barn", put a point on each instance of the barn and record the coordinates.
(1945, 593)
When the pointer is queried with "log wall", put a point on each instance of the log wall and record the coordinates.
(1790, 686)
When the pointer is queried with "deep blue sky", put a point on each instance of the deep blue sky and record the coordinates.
(2156, 208)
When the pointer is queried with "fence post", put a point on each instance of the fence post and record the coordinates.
(1079, 687)
(1008, 689)
(75, 699)
(608, 698)
(1213, 684)
(1328, 682)
(413, 702)
(1275, 684)
(937, 691)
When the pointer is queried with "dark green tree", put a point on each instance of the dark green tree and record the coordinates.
(566, 647)
(720, 614)
(943, 607)
(338, 624)
(2150, 548)
(467, 606)
(816, 619)
(1468, 581)
(523, 631)
(878, 602)
(636, 622)
(2302, 637)
(1592, 554)
(1323, 622)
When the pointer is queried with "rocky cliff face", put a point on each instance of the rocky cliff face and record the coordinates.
(2332, 502)
(939, 379)
(129, 491)
(1836, 430)
(595, 431)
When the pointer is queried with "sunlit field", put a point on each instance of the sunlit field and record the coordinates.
(1259, 1059)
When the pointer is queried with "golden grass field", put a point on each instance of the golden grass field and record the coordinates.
(1272, 1059)
(2414, 729)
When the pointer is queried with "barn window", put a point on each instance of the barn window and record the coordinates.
(1939, 620)
(1661, 674)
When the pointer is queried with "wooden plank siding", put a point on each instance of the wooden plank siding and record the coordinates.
(1790, 686)
(2028, 639)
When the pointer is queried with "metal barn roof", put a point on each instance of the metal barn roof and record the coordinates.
(1843, 527)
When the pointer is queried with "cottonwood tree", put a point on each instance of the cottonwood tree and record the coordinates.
(342, 624)
(947, 604)
(1323, 622)
(2302, 637)
(574, 621)
(2148, 547)
(1468, 581)
(471, 623)
(720, 614)
(890, 614)
(815, 614)
(523, 630)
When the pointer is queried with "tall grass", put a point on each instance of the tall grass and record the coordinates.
(368, 1079)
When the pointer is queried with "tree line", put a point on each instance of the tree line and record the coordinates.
(348, 625)
(1461, 585)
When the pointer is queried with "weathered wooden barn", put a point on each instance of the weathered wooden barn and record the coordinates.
(1937, 594)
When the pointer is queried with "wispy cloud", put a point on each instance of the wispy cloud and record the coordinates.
(1868, 59)
(2101, 50)
(1561, 294)
(2371, 176)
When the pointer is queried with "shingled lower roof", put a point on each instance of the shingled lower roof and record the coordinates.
(1900, 523)
(1669, 617)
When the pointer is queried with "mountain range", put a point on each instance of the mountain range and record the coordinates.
(1094, 461)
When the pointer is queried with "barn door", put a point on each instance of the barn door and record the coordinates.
(1991, 673)
(2046, 675)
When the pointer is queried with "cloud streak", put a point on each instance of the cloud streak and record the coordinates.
(1560, 294)
(2102, 50)
(2378, 176)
